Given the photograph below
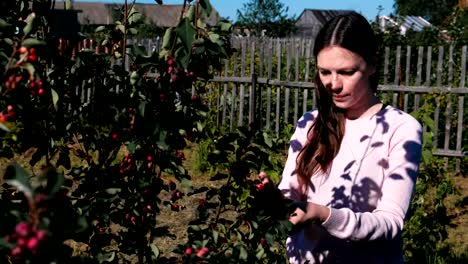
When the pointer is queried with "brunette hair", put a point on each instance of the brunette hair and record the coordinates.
(352, 32)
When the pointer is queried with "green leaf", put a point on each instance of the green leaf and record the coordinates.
(5, 128)
(215, 236)
(31, 42)
(4, 24)
(268, 140)
(242, 253)
(30, 68)
(99, 29)
(186, 184)
(225, 26)
(206, 6)
(134, 16)
(16, 176)
(260, 252)
(186, 33)
(166, 43)
(55, 98)
(121, 28)
(214, 37)
(30, 24)
(68, 4)
(191, 13)
(134, 77)
(113, 191)
(106, 257)
(155, 250)
(54, 180)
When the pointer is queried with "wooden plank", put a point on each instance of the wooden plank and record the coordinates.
(225, 88)
(296, 91)
(418, 77)
(397, 79)
(240, 121)
(261, 62)
(278, 90)
(252, 86)
(437, 100)
(306, 77)
(448, 108)
(288, 78)
(461, 104)
(269, 72)
(407, 77)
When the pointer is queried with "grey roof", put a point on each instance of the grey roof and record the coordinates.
(416, 23)
(99, 13)
(317, 16)
(311, 20)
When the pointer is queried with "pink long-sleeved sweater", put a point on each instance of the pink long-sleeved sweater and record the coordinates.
(368, 190)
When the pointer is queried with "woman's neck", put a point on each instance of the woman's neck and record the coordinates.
(370, 108)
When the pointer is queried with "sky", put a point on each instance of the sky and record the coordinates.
(228, 8)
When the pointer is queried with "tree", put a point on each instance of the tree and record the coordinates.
(436, 11)
(268, 15)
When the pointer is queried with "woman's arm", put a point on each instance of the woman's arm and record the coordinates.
(386, 221)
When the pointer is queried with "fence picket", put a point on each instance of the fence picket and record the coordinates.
(440, 61)
(418, 77)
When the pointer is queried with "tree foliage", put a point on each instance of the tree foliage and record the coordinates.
(436, 11)
(268, 15)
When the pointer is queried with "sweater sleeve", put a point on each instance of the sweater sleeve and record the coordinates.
(386, 220)
(289, 184)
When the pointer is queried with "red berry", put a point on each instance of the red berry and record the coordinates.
(162, 97)
(3, 117)
(32, 51)
(40, 91)
(180, 154)
(148, 207)
(132, 219)
(32, 57)
(170, 61)
(9, 108)
(22, 229)
(114, 136)
(260, 186)
(175, 207)
(194, 97)
(16, 251)
(33, 242)
(170, 69)
(189, 251)
(262, 241)
(202, 252)
(149, 158)
(23, 50)
(22, 242)
(201, 202)
(41, 235)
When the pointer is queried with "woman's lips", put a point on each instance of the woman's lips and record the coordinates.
(339, 97)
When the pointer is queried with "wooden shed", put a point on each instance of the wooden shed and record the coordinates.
(311, 20)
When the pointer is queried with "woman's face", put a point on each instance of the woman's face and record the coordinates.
(347, 75)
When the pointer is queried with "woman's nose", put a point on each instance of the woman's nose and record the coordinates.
(335, 82)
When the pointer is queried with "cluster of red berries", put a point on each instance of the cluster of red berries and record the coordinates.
(180, 154)
(28, 240)
(126, 164)
(36, 87)
(199, 252)
(32, 56)
(9, 115)
(13, 81)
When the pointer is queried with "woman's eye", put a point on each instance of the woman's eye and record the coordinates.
(348, 73)
(324, 72)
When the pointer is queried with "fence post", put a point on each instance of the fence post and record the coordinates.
(252, 103)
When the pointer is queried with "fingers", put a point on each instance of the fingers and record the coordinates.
(263, 177)
(297, 217)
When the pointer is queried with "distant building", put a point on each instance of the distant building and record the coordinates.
(415, 23)
(99, 13)
(311, 20)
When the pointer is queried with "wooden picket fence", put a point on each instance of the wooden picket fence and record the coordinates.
(267, 84)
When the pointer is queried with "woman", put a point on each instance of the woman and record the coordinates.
(354, 160)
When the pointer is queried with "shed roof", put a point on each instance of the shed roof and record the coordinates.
(317, 16)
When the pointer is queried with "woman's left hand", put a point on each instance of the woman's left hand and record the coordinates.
(314, 212)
